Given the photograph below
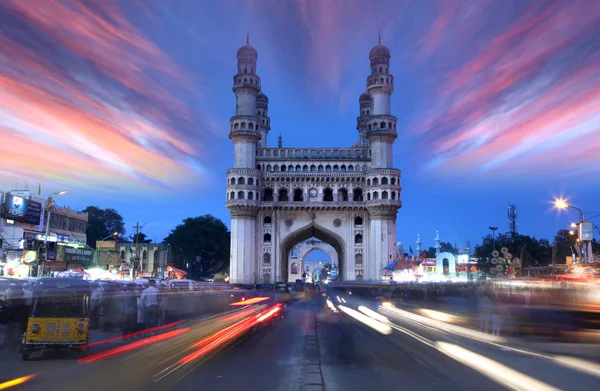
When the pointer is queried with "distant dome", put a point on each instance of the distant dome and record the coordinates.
(379, 52)
(247, 52)
(262, 98)
(365, 97)
(362, 143)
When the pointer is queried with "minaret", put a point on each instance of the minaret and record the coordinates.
(264, 124)
(245, 124)
(438, 242)
(366, 108)
(419, 244)
(382, 180)
(243, 193)
(399, 248)
(381, 125)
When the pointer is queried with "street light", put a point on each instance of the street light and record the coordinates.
(49, 203)
(584, 226)
(114, 234)
(494, 229)
(562, 204)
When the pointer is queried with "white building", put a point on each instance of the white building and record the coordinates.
(280, 197)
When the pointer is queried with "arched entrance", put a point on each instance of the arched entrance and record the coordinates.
(303, 234)
(309, 255)
(445, 264)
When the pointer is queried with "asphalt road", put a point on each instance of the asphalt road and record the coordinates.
(309, 347)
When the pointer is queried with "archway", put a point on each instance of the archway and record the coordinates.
(319, 264)
(445, 264)
(302, 235)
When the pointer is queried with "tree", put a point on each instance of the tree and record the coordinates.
(324, 272)
(446, 248)
(537, 252)
(142, 238)
(102, 223)
(203, 243)
(564, 245)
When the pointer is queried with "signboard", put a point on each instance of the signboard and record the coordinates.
(29, 256)
(79, 255)
(42, 201)
(15, 208)
(108, 258)
(34, 213)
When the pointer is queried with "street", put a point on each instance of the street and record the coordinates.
(312, 347)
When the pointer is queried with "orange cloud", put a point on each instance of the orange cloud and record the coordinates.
(103, 123)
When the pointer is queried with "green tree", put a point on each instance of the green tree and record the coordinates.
(102, 223)
(203, 243)
(564, 245)
(537, 251)
(142, 238)
(446, 248)
(324, 271)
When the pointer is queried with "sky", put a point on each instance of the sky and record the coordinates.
(126, 104)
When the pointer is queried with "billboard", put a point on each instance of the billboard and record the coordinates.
(77, 255)
(108, 258)
(21, 209)
(15, 208)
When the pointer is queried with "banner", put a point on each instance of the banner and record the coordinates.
(108, 258)
(77, 255)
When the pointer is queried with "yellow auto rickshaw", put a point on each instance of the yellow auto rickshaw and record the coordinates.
(59, 317)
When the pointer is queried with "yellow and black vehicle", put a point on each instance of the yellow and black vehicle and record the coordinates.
(59, 317)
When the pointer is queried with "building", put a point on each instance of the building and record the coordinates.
(153, 256)
(67, 226)
(278, 197)
(21, 228)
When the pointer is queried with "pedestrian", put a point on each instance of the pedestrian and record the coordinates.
(150, 303)
(96, 300)
(484, 308)
(129, 309)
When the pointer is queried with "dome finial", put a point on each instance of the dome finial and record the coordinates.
(379, 37)
(248, 36)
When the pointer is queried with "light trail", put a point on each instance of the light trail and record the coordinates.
(17, 381)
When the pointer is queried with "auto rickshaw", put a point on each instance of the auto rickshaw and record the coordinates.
(59, 317)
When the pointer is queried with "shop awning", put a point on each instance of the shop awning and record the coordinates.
(391, 266)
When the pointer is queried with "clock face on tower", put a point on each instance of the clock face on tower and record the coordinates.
(313, 192)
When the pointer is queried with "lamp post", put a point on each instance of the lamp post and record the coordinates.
(494, 229)
(562, 204)
(113, 235)
(49, 203)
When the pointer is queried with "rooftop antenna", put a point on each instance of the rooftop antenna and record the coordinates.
(248, 37)
(379, 37)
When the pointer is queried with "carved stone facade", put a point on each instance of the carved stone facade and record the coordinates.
(280, 197)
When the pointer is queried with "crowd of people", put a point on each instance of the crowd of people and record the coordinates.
(139, 306)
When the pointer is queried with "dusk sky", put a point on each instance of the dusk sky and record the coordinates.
(126, 103)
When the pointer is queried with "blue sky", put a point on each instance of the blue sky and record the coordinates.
(128, 105)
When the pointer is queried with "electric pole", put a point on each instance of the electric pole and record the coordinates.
(137, 251)
(136, 263)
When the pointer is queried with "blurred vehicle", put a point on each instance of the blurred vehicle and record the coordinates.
(59, 316)
(183, 285)
(282, 293)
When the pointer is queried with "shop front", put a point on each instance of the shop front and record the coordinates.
(108, 260)
(70, 258)
(14, 265)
